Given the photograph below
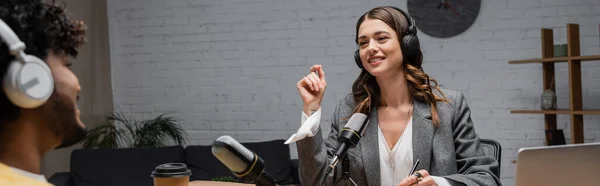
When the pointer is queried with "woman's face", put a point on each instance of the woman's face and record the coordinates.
(380, 50)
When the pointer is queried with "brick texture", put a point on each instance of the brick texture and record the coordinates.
(230, 66)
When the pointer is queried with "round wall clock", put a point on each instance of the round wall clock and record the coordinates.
(444, 18)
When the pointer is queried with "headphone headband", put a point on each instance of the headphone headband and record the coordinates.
(15, 45)
(28, 81)
(409, 20)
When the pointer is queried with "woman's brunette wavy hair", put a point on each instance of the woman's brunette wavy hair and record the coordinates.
(365, 89)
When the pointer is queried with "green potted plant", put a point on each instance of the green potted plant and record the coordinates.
(116, 131)
(225, 179)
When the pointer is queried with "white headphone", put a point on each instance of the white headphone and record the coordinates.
(28, 83)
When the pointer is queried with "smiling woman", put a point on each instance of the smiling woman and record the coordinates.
(378, 36)
(411, 119)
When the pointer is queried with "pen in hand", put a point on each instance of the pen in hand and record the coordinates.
(413, 168)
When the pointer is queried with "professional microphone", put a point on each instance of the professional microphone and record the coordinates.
(349, 137)
(243, 163)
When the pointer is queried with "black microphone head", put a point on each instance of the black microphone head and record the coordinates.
(349, 137)
(354, 129)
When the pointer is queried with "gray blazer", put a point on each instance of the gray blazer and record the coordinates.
(451, 150)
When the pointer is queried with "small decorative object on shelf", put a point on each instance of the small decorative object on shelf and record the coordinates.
(549, 99)
(560, 50)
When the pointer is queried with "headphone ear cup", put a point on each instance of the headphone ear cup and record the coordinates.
(357, 59)
(410, 45)
(30, 84)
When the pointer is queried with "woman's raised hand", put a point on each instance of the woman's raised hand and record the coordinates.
(311, 89)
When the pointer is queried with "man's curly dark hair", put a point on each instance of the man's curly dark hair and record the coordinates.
(44, 26)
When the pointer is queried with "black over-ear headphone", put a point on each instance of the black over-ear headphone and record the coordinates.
(409, 43)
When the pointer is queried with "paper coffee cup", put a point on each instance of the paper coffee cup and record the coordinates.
(171, 174)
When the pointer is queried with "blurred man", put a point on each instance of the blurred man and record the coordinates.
(38, 110)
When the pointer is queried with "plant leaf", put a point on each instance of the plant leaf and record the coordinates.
(116, 130)
(103, 136)
(152, 133)
(126, 137)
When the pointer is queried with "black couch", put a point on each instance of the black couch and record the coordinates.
(132, 166)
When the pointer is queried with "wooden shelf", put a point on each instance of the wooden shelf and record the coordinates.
(558, 111)
(556, 59)
(574, 60)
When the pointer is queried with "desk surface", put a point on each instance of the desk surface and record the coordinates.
(217, 183)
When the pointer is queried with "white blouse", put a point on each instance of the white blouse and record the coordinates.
(394, 165)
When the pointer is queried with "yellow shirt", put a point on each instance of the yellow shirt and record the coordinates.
(8, 177)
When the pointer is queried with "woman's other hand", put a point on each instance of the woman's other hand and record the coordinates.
(419, 178)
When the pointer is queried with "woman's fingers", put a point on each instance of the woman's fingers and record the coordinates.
(309, 83)
(314, 68)
(413, 180)
(319, 81)
(314, 81)
(321, 73)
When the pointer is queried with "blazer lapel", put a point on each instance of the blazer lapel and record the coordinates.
(370, 151)
(422, 142)
(422, 135)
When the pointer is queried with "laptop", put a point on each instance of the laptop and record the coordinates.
(572, 164)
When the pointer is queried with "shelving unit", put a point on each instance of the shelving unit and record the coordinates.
(574, 60)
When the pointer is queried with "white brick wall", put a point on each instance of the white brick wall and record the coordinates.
(230, 67)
